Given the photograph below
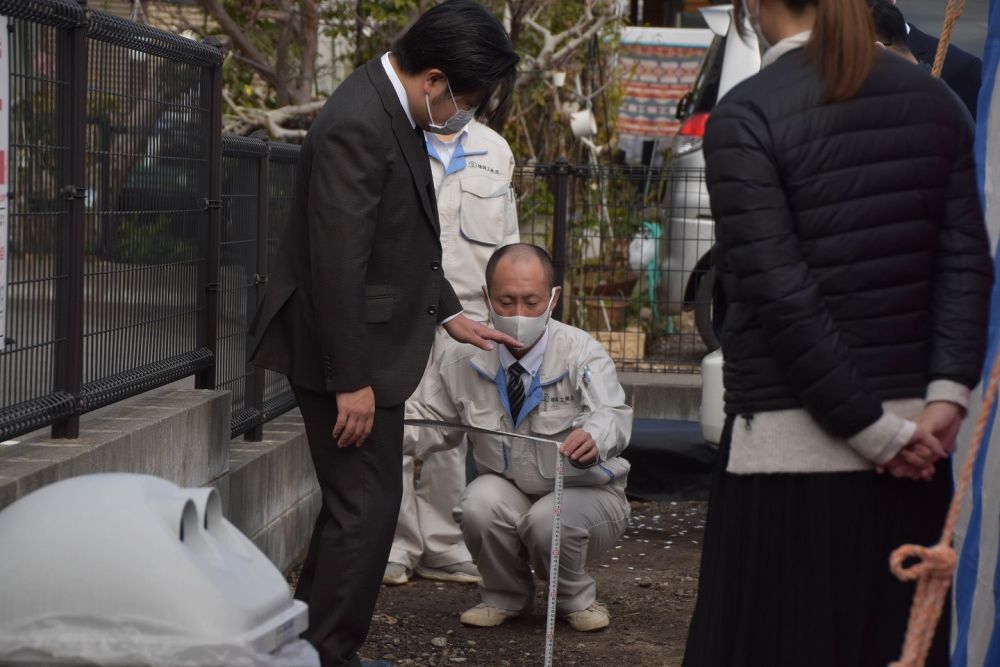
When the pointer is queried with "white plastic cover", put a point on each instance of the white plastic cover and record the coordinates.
(121, 569)
(713, 404)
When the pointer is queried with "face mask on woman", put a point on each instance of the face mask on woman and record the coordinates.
(527, 330)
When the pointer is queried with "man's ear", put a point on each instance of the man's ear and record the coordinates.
(556, 296)
(433, 79)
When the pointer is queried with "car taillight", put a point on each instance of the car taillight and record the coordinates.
(694, 126)
(689, 138)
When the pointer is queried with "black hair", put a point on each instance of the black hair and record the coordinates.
(890, 26)
(520, 250)
(463, 40)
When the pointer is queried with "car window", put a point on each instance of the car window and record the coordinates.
(706, 87)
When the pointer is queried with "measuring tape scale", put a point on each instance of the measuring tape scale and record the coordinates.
(557, 502)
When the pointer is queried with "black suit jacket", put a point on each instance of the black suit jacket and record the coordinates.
(962, 71)
(356, 289)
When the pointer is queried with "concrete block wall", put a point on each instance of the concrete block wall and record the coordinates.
(270, 491)
(663, 395)
(178, 434)
(268, 488)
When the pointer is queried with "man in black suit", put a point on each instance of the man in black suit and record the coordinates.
(357, 291)
(962, 71)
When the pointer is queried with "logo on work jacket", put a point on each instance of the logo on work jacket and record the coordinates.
(485, 167)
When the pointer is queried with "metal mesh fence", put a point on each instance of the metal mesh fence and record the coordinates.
(39, 81)
(108, 246)
(140, 239)
(637, 245)
(145, 239)
(278, 397)
(242, 162)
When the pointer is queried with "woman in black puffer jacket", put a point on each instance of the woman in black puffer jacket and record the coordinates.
(854, 262)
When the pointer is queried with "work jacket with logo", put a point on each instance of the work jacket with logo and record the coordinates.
(477, 210)
(576, 387)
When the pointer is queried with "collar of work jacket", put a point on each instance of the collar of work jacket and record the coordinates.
(410, 140)
(487, 365)
(464, 147)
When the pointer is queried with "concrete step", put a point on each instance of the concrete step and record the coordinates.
(177, 434)
(663, 395)
(270, 491)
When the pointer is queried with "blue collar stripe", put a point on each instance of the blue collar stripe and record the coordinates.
(501, 382)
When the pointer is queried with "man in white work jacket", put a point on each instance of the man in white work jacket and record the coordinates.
(472, 173)
(562, 386)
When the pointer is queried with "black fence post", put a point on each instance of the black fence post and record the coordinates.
(72, 62)
(256, 379)
(209, 325)
(561, 171)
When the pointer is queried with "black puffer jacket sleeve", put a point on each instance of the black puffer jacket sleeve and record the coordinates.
(963, 276)
(757, 233)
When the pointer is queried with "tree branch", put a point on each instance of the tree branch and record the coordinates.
(252, 54)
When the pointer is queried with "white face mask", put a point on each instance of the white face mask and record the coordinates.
(527, 330)
(754, 19)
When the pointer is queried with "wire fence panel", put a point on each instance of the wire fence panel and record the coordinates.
(637, 245)
(140, 238)
(278, 396)
(242, 160)
(147, 131)
(535, 203)
(38, 217)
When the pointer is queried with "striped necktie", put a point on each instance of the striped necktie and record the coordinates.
(515, 389)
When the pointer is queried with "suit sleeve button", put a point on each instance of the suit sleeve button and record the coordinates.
(432, 310)
(435, 266)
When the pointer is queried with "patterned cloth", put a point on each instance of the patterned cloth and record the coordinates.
(660, 65)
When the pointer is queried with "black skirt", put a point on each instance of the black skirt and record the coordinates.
(795, 568)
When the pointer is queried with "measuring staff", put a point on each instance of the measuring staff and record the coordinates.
(560, 386)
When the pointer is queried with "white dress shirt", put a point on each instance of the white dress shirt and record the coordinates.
(530, 362)
(398, 87)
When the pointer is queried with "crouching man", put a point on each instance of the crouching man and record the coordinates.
(561, 385)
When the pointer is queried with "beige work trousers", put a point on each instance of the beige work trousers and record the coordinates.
(507, 531)
(426, 532)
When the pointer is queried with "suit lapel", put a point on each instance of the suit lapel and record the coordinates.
(410, 144)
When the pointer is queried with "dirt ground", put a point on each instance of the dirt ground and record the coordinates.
(648, 582)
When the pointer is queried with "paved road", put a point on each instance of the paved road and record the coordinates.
(970, 31)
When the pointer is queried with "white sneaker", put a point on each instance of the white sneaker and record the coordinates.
(487, 616)
(594, 617)
(395, 575)
(465, 572)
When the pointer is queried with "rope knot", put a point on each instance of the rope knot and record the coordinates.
(938, 561)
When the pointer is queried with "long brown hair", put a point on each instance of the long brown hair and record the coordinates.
(842, 46)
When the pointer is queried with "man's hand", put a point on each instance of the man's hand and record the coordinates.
(580, 447)
(464, 330)
(355, 417)
(943, 419)
(916, 460)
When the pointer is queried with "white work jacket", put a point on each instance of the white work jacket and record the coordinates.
(576, 387)
(477, 210)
